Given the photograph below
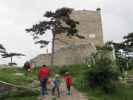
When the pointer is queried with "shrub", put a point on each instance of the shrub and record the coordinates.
(63, 70)
(130, 64)
(103, 74)
(122, 64)
(80, 83)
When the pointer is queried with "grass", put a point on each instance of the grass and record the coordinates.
(122, 92)
(9, 75)
(20, 95)
(130, 72)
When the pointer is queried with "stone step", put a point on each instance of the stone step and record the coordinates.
(129, 81)
(130, 76)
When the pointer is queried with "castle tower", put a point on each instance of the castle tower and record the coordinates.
(90, 26)
(74, 50)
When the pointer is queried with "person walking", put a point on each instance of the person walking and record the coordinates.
(27, 66)
(56, 85)
(68, 81)
(43, 77)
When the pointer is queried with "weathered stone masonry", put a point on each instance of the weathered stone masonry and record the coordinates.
(74, 50)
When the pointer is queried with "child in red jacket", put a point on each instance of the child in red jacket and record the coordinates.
(68, 80)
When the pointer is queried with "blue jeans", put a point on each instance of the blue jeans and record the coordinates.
(44, 86)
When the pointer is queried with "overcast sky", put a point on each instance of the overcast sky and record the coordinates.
(17, 15)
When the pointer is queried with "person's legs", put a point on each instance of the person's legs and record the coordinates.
(68, 90)
(53, 90)
(58, 91)
(44, 87)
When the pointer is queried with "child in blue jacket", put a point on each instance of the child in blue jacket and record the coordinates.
(56, 85)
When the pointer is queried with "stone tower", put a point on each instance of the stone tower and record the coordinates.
(90, 26)
(74, 50)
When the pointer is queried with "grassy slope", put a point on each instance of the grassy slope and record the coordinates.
(20, 95)
(122, 93)
(8, 75)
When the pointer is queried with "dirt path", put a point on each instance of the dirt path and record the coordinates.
(75, 95)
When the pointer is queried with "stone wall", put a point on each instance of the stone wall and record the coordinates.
(74, 50)
(74, 54)
(90, 26)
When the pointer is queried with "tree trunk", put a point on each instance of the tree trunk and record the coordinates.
(11, 59)
(52, 54)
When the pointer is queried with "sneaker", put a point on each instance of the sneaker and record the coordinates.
(69, 93)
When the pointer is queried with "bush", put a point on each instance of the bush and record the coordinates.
(63, 70)
(80, 83)
(122, 63)
(103, 74)
(130, 64)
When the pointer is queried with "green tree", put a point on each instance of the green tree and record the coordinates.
(5, 54)
(128, 42)
(11, 55)
(2, 49)
(59, 22)
(126, 45)
(121, 60)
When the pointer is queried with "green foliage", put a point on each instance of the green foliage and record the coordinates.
(130, 64)
(122, 93)
(63, 70)
(9, 75)
(20, 95)
(2, 49)
(78, 74)
(80, 82)
(54, 98)
(105, 47)
(122, 63)
(11, 55)
(7, 55)
(74, 70)
(103, 74)
(59, 22)
(126, 46)
(128, 41)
